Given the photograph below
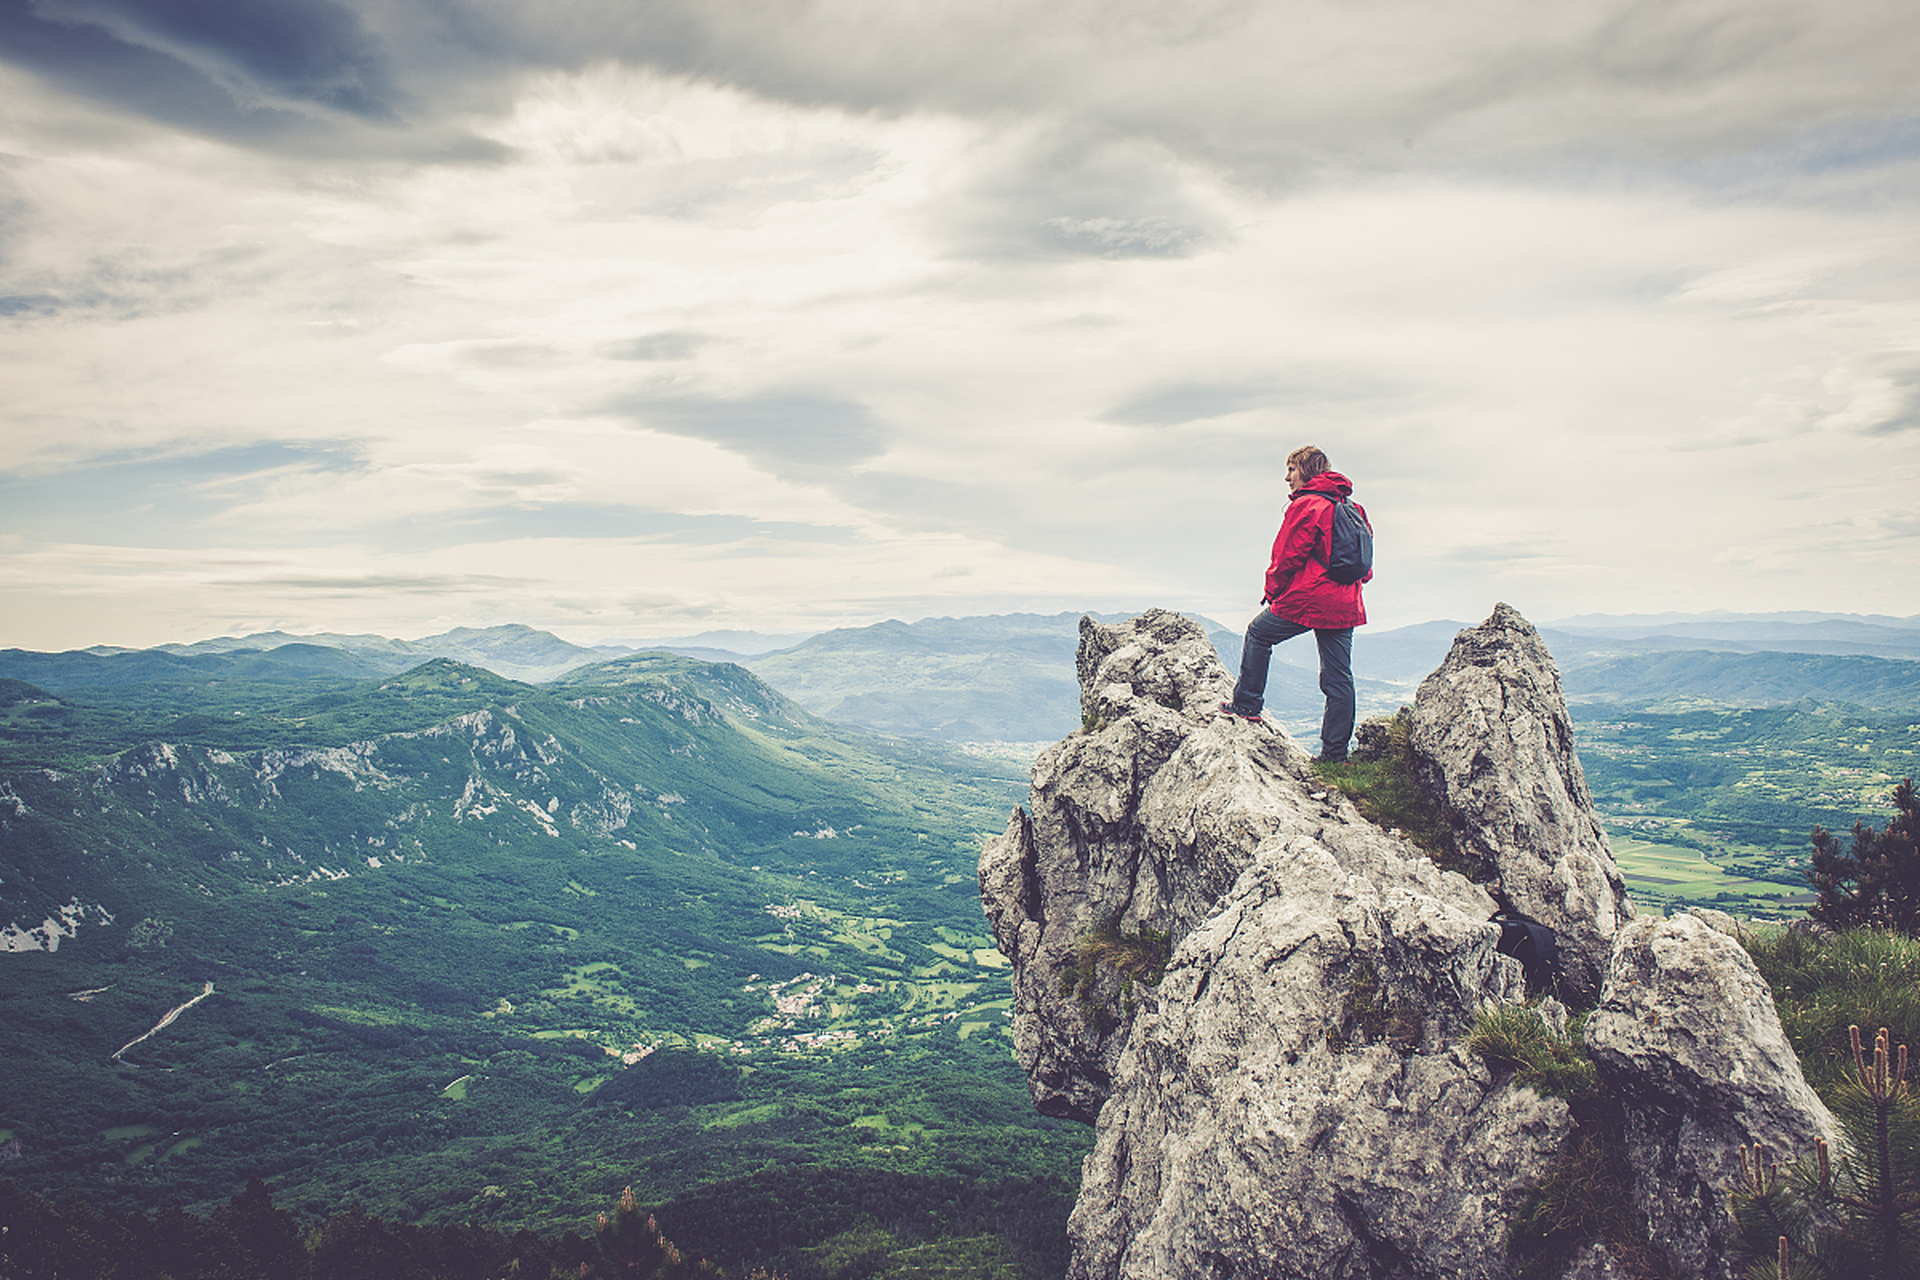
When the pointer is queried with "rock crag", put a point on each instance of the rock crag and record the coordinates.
(1291, 1097)
(1493, 745)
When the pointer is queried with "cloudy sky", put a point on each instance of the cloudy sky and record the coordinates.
(636, 320)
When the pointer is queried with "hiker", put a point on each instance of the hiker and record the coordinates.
(1302, 596)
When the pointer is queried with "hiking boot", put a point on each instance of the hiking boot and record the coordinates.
(1327, 757)
(1228, 709)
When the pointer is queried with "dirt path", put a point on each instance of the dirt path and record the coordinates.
(164, 1023)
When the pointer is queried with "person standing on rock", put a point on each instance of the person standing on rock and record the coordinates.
(1301, 597)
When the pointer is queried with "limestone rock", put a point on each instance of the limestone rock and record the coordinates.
(1259, 1127)
(1687, 1035)
(1290, 1099)
(1093, 850)
(1493, 744)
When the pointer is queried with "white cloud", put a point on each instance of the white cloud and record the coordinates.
(768, 325)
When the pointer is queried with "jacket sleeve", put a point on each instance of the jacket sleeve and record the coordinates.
(1294, 545)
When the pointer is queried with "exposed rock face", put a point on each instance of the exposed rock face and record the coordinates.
(1253, 1129)
(1686, 1032)
(1493, 744)
(1291, 1098)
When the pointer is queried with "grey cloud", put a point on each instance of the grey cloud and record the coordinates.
(589, 520)
(1079, 195)
(160, 498)
(507, 354)
(431, 584)
(1491, 553)
(1272, 90)
(308, 50)
(1188, 402)
(300, 76)
(28, 304)
(1266, 91)
(668, 344)
(1906, 417)
(1289, 391)
(729, 188)
(788, 433)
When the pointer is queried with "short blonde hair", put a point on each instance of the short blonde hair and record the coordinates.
(1309, 459)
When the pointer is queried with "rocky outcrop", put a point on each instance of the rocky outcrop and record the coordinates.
(1493, 745)
(1687, 1034)
(1291, 1098)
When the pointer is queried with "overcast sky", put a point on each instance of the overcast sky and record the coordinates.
(632, 320)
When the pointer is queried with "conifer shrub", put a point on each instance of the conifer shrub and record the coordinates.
(1875, 884)
(1841, 1217)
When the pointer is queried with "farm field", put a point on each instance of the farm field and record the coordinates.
(1664, 877)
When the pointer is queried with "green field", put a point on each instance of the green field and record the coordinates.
(1666, 876)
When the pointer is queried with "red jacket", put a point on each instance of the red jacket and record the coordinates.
(1298, 588)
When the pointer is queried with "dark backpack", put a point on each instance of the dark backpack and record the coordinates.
(1350, 546)
(1529, 942)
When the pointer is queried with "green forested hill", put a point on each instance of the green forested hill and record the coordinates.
(451, 946)
(1748, 679)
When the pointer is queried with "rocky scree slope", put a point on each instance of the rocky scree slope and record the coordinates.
(1291, 1099)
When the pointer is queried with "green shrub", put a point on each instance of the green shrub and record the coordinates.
(1877, 882)
(1136, 957)
(1855, 1218)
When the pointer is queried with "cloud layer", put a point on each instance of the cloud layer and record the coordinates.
(630, 320)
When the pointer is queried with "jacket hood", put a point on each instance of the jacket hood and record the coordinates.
(1331, 483)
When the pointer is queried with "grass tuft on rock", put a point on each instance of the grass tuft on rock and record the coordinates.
(1516, 1038)
(1379, 777)
(1139, 957)
(1587, 1196)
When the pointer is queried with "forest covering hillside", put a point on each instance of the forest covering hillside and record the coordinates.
(450, 946)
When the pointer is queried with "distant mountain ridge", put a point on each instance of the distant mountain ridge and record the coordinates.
(1009, 677)
(513, 650)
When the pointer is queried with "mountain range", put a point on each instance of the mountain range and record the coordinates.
(1009, 677)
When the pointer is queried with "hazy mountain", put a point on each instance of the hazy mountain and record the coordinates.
(515, 651)
(82, 669)
(1748, 679)
(1869, 635)
(999, 678)
(731, 645)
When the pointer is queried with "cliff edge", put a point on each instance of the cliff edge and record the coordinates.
(1289, 1096)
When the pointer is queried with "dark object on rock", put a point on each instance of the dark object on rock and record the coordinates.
(1529, 942)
